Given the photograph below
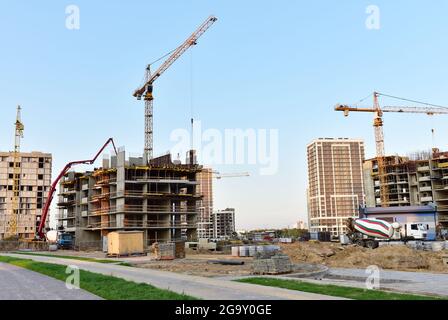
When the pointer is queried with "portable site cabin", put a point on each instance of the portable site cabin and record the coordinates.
(125, 243)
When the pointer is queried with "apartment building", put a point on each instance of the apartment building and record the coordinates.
(223, 223)
(33, 180)
(335, 183)
(205, 187)
(160, 199)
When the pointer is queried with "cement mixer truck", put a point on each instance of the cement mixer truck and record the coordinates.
(369, 232)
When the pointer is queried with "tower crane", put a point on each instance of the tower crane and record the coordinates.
(12, 224)
(378, 111)
(146, 90)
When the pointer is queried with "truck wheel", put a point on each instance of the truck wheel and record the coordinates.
(360, 243)
(372, 244)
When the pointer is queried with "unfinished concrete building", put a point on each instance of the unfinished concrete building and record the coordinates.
(34, 181)
(335, 183)
(397, 178)
(223, 223)
(205, 187)
(160, 199)
(411, 183)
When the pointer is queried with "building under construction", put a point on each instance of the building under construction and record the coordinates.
(160, 199)
(409, 182)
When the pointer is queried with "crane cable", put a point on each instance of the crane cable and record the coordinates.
(414, 101)
(155, 61)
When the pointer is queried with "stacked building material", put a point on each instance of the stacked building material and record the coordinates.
(251, 251)
(165, 251)
(180, 250)
(276, 264)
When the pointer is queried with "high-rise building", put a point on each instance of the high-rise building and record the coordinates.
(205, 187)
(335, 183)
(34, 181)
(223, 223)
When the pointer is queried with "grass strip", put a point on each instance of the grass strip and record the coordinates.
(335, 291)
(67, 257)
(107, 287)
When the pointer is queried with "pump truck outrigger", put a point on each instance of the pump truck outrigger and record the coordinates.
(40, 234)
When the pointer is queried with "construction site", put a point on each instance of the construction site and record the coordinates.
(154, 218)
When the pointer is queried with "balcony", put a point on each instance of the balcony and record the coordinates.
(147, 209)
(423, 168)
(424, 178)
(426, 188)
(426, 199)
(139, 224)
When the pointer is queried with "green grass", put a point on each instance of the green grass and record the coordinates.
(67, 257)
(107, 287)
(336, 291)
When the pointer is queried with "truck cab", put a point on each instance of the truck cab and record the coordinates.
(417, 231)
(65, 241)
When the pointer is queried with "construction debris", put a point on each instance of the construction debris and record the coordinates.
(165, 251)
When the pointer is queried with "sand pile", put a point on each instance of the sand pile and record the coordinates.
(397, 257)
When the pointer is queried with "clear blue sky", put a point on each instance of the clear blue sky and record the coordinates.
(264, 64)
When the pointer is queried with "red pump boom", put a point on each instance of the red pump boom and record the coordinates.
(40, 231)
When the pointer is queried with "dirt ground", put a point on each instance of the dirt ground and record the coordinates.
(397, 257)
(200, 267)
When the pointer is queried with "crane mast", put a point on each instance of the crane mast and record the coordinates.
(146, 91)
(12, 225)
(429, 109)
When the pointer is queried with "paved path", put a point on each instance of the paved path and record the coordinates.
(408, 282)
(21, 284)
(200, 287)
(413, 282)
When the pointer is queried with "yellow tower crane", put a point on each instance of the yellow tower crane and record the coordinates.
(378, 111)
(12, 224)
(146, 90)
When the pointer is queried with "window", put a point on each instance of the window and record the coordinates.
(414, 227)
(40, 176)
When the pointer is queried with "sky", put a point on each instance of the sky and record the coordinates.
(279, 65)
